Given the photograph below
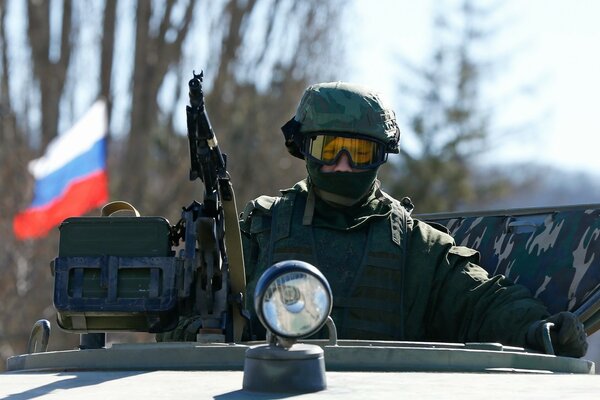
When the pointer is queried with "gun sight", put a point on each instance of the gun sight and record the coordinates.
(195, 89)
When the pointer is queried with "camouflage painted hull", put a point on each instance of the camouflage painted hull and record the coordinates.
(555, 252)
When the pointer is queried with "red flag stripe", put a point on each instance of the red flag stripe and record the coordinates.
(80, 197)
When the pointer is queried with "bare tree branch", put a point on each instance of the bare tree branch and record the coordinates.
(5, 103)
(182, 32)
(50, 75)
(107, 46)
(166, 20)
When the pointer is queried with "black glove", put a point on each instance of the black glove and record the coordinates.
(567, 334)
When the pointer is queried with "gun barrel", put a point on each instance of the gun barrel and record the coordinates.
(195, 92)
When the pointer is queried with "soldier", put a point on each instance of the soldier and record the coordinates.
(393, 277)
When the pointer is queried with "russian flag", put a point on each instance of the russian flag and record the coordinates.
(70, 178)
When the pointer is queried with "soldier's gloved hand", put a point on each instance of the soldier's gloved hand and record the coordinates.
(568, 336)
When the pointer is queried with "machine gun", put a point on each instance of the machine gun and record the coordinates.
(122, 274)
(205, 225)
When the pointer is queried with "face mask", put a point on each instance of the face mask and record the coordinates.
(353, 186)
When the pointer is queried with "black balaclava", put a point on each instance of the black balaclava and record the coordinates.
(341, 188)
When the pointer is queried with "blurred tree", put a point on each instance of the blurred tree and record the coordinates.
(107, 53)
(258, 56)
(252, 81)
(49, 66)
(450, 125)
(14, 152)
(155, 53)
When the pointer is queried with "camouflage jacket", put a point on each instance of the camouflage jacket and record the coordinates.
(443, 295)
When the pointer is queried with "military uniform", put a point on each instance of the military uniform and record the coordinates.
(392, 277)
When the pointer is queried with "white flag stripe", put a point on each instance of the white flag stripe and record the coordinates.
(77, 140)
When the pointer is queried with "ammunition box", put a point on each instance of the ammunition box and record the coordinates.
(115, 274)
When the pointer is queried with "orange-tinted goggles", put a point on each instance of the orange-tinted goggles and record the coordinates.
(363, 153)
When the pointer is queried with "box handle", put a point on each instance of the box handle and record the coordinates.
(118, 206)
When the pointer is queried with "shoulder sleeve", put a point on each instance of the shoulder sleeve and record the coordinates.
(466, 305)
(254, 211)
(255, 225)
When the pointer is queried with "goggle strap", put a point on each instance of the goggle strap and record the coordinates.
(368, 166)
(293, 140)
(291, 129)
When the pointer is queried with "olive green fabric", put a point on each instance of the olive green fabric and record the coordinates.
(439, 294)
(331, 215)
(356, 272)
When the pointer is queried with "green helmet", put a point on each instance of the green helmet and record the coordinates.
(345, 108)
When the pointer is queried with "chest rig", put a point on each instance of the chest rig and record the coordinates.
(368, 304)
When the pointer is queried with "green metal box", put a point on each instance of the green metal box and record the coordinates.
(115, 274)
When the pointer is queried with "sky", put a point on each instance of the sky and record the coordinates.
(548, 80)
(548, 52)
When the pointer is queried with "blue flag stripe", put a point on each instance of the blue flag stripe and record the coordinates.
(53, 185)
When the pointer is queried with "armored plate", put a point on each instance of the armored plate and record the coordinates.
(356, 369)
(226, 385)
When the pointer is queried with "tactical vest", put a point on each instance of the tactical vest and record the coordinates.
(371, 307)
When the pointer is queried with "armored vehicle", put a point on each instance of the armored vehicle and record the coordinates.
(552, 251)
(142, 274)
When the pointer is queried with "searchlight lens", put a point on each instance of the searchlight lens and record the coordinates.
(293, 299)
